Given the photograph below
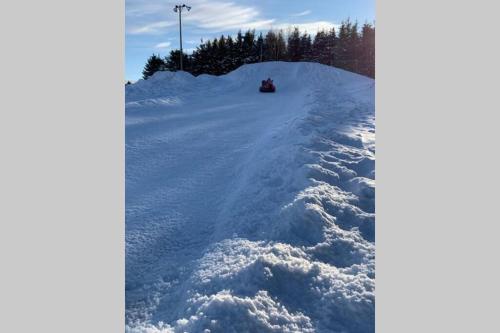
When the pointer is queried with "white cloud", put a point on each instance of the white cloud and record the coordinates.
(151, 28)
(147, 16)
(221, 16)
(305, 12)
(163, 45)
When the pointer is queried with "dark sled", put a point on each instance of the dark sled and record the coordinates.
(270, 89)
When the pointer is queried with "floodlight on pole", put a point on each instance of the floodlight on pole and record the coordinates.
(178, 9)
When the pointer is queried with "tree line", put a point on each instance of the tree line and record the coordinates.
(351, 48)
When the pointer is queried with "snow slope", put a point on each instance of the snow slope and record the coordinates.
(251, 212)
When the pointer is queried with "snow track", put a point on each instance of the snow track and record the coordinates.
(250, 212)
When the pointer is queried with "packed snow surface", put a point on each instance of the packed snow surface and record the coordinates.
(247, 211)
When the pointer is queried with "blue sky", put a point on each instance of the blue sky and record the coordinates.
(151, 26)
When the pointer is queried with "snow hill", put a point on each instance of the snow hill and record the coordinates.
(251, 212)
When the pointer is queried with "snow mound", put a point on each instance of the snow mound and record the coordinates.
(160, 85)
(251, 212)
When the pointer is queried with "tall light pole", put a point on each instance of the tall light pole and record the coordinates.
(178, 9)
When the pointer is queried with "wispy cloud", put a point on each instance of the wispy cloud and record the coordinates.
(145, 16)
(222, 16)
(163, 45)
(151, 28)
(304, 13)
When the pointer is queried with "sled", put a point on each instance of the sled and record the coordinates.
(267, 86)
(267, 89)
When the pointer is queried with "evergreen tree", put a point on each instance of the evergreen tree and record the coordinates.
(353, 48)
(238, 49)
(153, 65)
(173, 64)
(274, 47)
(367, 50)
(250, 54)
(212, 57)
(341, 48)
(320, 51)
(281, 46)
(306, 47)
(201, 58)
(294, 46)
(223, 62)
(331, 41)
(270, 46)
(259, 46)
(231, 59)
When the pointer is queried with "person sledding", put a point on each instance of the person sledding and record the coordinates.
(267, 86)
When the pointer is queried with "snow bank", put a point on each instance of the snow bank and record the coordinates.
(251, 212)
(161, 85)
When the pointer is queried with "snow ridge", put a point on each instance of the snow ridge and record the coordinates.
(251, 212)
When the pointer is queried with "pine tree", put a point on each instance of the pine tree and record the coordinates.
(209, 58)
(223, 65)
(367, 51)
(270, 46)
(294, 46)
(212, 57)
(331, 41)
(341, 47)
(153, 65)
(306, 47)
(230, 60)
(320, 52)
(238, 49)
(273, 46)
(173, 64)
(249, 51)
(353, 47)
(281, 46)
(259, 46)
